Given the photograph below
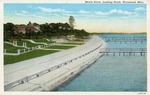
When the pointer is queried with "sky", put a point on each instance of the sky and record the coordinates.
(128, 18)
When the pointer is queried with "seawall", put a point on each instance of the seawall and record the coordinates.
(48, 72)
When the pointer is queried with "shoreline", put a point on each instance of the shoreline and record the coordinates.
(61, 69)
(120, 33)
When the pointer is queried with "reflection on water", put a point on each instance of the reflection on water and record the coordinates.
(113, 73)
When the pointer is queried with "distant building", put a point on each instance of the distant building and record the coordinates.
(22, 28)
(59, 39)
(37, 27)
(71, 37)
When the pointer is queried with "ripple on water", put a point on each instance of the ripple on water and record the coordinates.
(113, 73)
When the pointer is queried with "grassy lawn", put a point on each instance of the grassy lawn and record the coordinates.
(73, 43)
(8, 59)
(11, 48)
(28, 43)
(43, 41)
(60, 47)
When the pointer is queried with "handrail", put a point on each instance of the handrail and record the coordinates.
(27, 78)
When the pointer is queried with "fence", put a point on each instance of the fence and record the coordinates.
(25, 50)
(38, 74)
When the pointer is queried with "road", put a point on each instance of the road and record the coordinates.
(47, 72)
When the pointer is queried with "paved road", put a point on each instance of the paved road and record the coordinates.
(20, 70)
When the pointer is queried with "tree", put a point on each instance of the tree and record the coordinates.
(11, 31)
(45, 28)
(27, 33)
(29, 24)
(71, 22)
(8, 31)
(66, 26)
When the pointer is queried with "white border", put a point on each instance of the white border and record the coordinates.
(148, 47)
(61, 1)
(1, 49)
(70, 93)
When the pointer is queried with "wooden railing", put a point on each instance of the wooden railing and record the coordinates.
(124, 51)
(126, 39)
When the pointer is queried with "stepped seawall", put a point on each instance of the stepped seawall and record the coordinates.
(48, 72)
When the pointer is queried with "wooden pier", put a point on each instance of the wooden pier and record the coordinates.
(126, 39)
(124, 52)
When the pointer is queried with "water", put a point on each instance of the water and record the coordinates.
(113, 73)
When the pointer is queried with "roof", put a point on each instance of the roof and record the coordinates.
(22, 28)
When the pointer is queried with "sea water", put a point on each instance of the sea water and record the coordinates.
(113, 73)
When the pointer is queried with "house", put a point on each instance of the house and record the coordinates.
(33, 28)
(22, 28)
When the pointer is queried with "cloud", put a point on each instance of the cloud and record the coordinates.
(101, 13)
(21, 13)
(140, 9)
(38, 16)
(114, 11)
(25, 12)
(50, 10)
(83, 12)
(120, 12)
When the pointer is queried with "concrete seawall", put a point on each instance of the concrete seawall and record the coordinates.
(48, 72)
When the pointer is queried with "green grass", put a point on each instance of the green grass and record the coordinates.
(11, 48)
(43, 41)
(74, 43)
(28, 43)
(8, 59)
(60, 47)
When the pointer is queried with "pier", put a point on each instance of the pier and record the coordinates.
(125, 39)
(124, 51)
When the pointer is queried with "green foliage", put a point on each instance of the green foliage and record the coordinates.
(80, 33)
(8, 31)
(46, 30)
